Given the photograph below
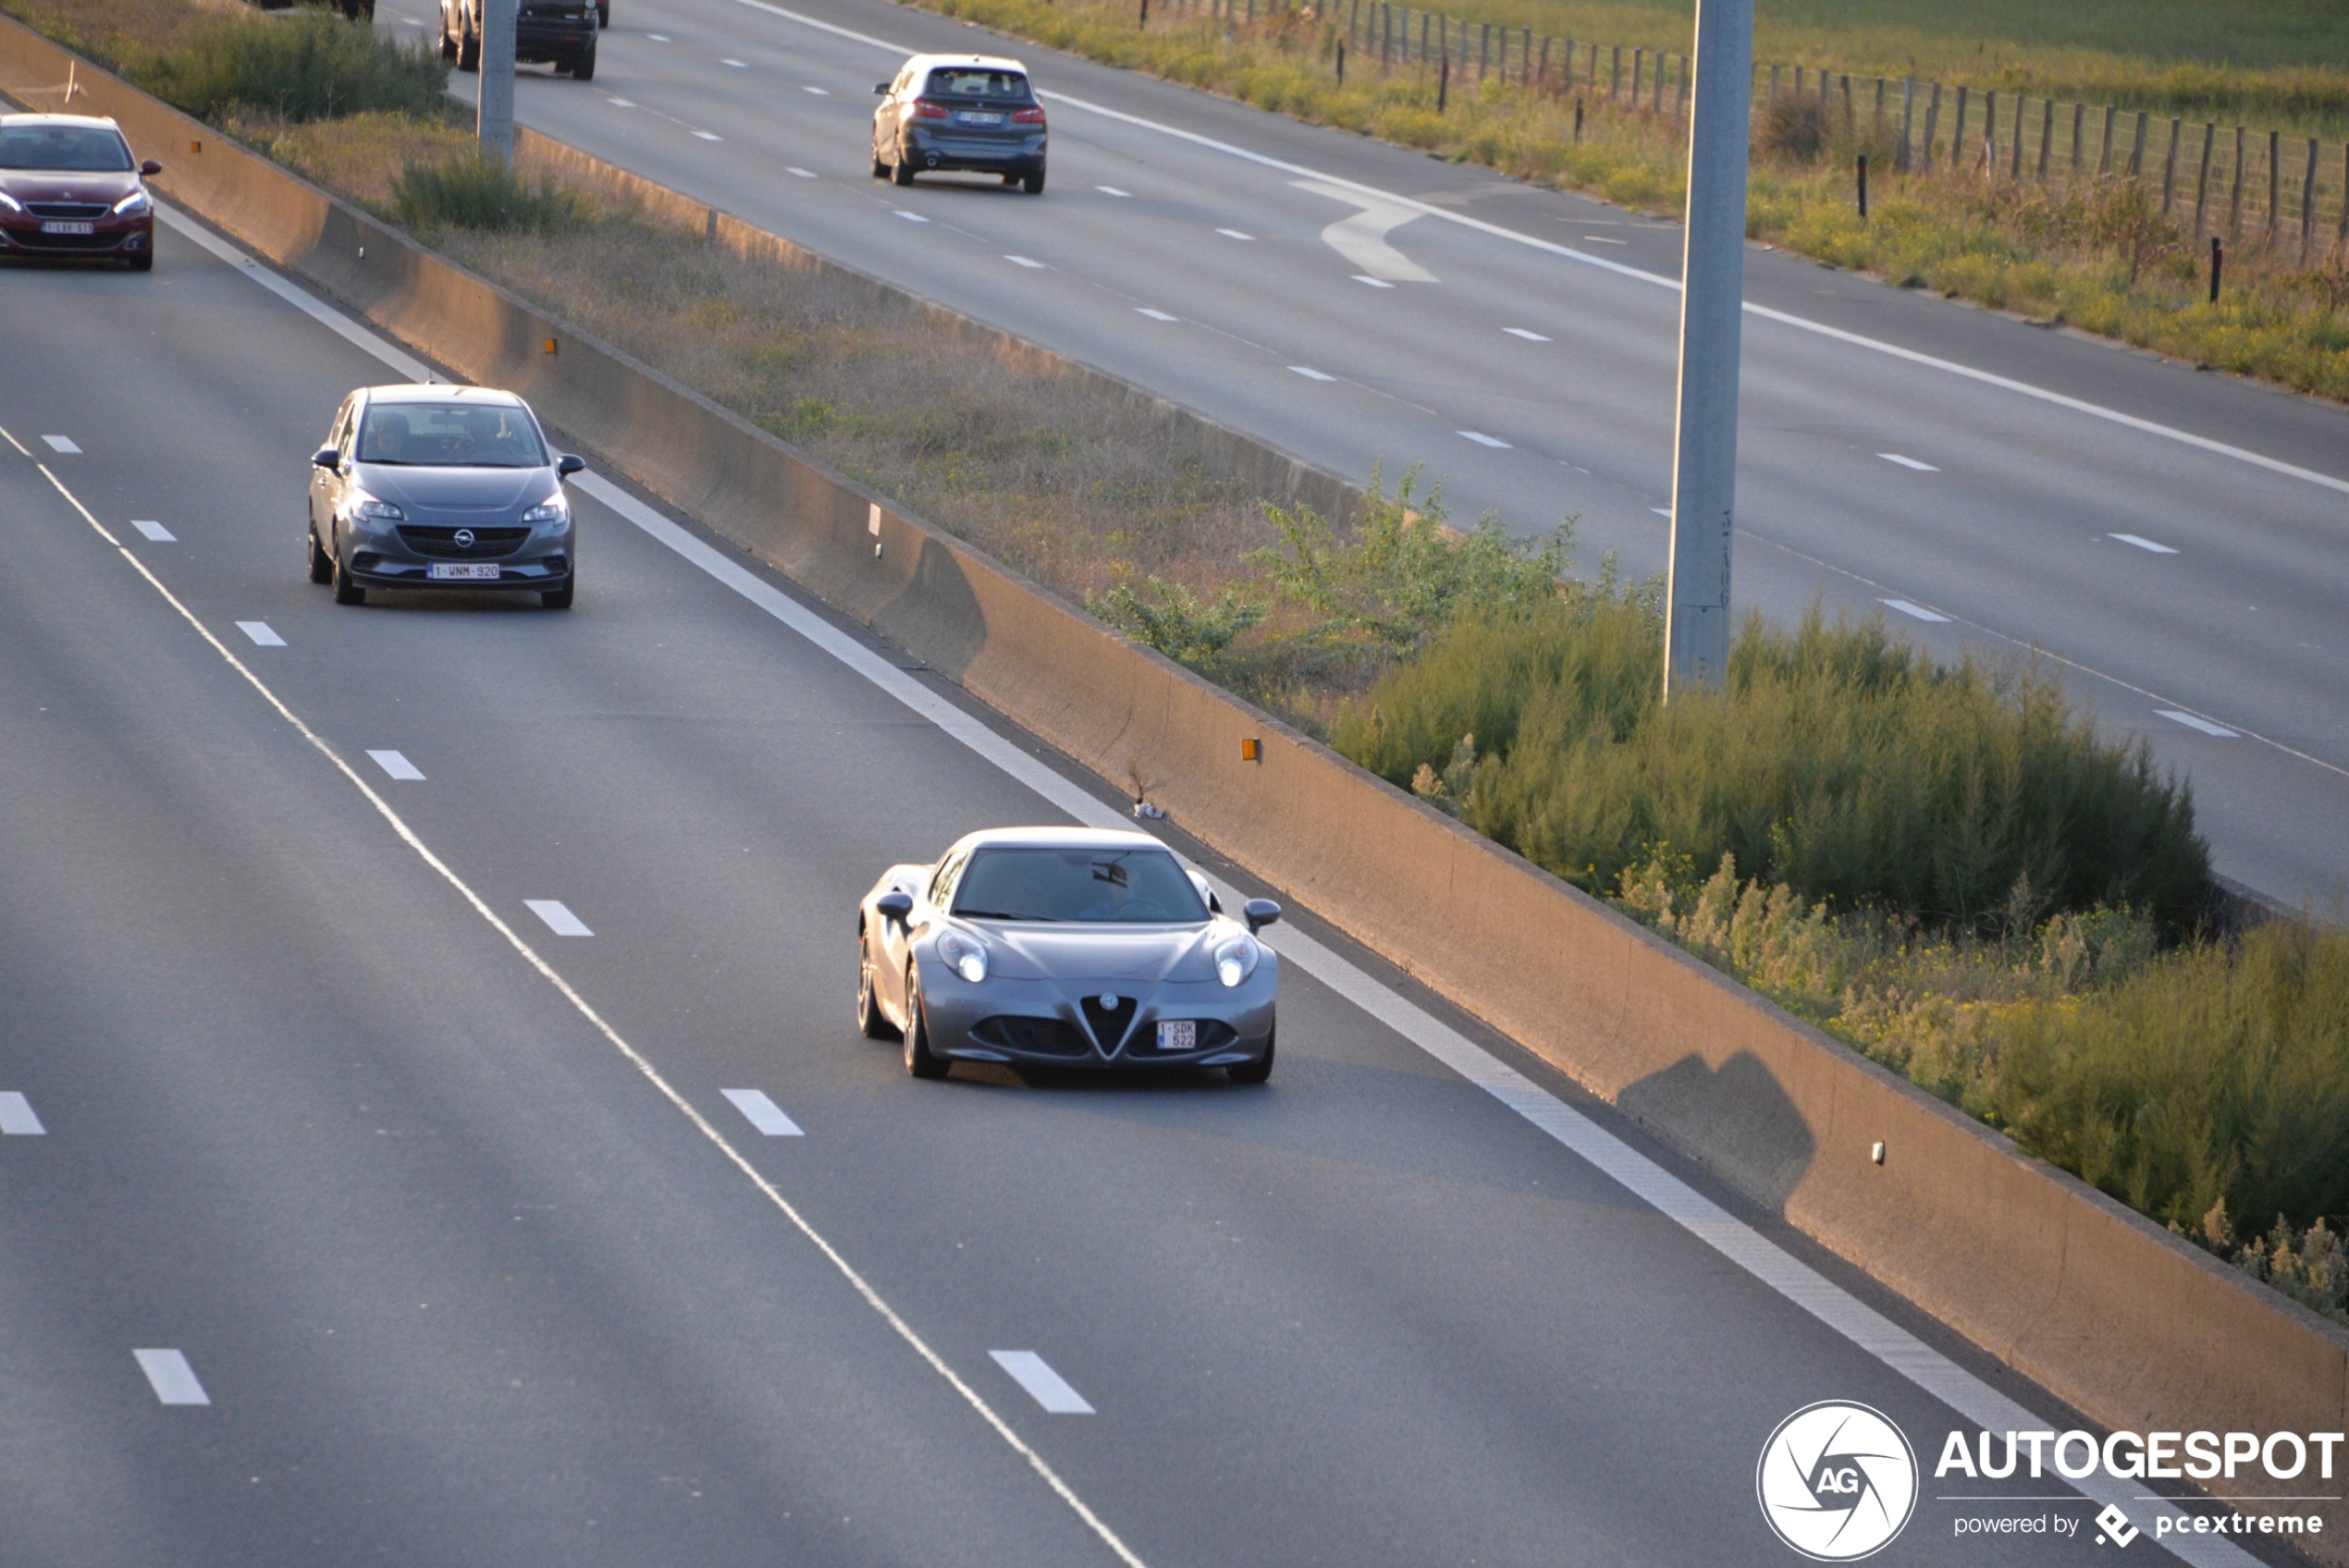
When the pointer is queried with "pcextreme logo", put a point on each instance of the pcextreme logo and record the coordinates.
(1836, 1481)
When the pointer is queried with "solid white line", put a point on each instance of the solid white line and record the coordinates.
(1908, 462)
(1022, 261)
(804, 173)
(1529, 337)
(1603, 240)
(17, 1118)
(1971, 1397)
(1234, 233)
(2195, 721)
(1050, 1388)
(1154, 315)
(259, 631)
(397, 765)
(170, 1376)
(156, 532)
(2143, 543)
(1483, 440)
(63, 444)
(1661, 512)
(909, 217)
(658, 37)
(1113, 190)
(705, 136)
(1373, 282)
(1309, 374)
(1919, 611)
(762, 1112)
(558, 918)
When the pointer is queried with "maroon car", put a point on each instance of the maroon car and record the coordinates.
(70, 188)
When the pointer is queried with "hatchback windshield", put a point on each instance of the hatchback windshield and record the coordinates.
(1133, 886)
(1009, 85)
(78, 148)
(450, 436)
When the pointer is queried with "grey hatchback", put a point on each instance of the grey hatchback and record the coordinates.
(427, 486)
(976, 113)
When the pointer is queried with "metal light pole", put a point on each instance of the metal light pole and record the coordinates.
(1704, 458)
(498, 17)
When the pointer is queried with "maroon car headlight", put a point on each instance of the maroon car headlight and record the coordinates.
(133, 205)
(11, 203)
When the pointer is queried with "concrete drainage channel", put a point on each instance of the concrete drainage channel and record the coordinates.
(2132, 1326)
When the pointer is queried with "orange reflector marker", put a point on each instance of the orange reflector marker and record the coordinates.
(1252, 749)
(551, 345)
(195, 146)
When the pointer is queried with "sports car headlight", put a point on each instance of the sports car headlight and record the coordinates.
(373, 510)
(1235, 959)
(552, 511)
(135, 202)
(970, 960)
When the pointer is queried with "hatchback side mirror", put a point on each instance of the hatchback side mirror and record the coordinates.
(1260, 912)
(568, 464)
(881, 89)
(895, 904)
(151, 167)
(328, 459)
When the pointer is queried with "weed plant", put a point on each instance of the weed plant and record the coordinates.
(477, 192)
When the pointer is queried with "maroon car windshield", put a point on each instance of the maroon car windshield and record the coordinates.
(74, 149)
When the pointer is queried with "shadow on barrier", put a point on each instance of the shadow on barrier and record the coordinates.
(1738, 1120)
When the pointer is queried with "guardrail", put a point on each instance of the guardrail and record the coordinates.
(2129, 1324)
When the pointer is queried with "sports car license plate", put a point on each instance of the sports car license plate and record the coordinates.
(1179, 1035)
(982, 119)
(461, 571)
(57, 227)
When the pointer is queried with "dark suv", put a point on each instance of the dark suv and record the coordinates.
(966, 112)
(560, 33)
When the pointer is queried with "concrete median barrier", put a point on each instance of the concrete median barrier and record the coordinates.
(2132, 1326)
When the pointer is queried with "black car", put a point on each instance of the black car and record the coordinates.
(973, 113)
(560, 33)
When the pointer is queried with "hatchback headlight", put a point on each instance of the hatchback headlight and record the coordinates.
(135, 202)
(11, 203)
(1235, 959)
(969, 959)
(371, 510)
(552, 511)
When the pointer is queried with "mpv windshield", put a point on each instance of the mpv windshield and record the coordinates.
(1008, 85)
(450, 436)
(1134, 887)
(78, 148)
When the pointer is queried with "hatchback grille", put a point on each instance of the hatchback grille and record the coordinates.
(66, 209)
(1110, 1024)
(441, 543)
(32, 241)
(1037, 1036)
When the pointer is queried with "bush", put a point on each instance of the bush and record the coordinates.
(311, 65)
(479, 192)
(1836, 760)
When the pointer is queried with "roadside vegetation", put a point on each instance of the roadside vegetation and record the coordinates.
(1949, 868)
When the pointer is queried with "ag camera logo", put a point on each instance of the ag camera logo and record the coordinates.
(1836, 1481)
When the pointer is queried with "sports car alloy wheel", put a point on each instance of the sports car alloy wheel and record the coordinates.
(920, 1061)
(869, 1017)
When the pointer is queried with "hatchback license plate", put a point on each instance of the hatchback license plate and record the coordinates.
(55, 227)
(1179, 1035)
(461, 571)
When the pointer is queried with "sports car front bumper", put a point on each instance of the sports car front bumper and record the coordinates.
(1099, 1022)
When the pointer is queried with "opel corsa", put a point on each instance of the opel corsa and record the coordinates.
(1064, 947)
(441, 488)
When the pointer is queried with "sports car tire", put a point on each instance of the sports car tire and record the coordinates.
(1255, 1072)
(870, 1018)
(920, 1061)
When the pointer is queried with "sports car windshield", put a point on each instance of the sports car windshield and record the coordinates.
(1134, 887)
(450, 436)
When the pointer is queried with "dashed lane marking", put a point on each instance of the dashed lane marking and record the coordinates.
(1047, 1387)
(170, 1376)
(259, 631)
(17, 1118)
(396, 764)
(1919, 611)
(762, 1112)
(2196, 721)
(1908, 462)
(558, 918)
(156, 532)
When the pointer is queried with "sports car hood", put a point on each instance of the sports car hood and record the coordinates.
(69, 185)
(422, 489)
(1100, 952)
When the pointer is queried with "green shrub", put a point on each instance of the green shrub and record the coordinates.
(1836, 760)
(307, 66)
(479, 192)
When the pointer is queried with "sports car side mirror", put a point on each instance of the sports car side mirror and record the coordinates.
(326, 457)
(568, 464)
(150, 167)
(895, 905)
(1260, 912)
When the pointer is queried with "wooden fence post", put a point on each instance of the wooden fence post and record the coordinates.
(2308, 201)
(1908, 111)
(2275, 185)
(2202, 184)
(2079, 117)
(1989, 132)
(2104, 159)
(2169, 168)
(2137, 149)
(1932, 122)
(2046, 136)
(1639, 63)
(2015, 163)
(1957, 131)
(2341, 235)
(1851, 121)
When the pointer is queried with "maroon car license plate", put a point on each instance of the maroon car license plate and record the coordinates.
(462, 572)
(56, 227)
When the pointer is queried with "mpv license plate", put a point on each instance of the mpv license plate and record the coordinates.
(1179, 1035)
(57, 227)
(462, 572)
(982, 119)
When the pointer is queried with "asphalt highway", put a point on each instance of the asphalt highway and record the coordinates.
(1356, 303)
(354, 1214)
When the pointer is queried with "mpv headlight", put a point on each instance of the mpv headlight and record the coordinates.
(970, 960)
(373, 510)
(551, 512)
(1235, 959)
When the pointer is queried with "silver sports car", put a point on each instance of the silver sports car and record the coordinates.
(1064, 947)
